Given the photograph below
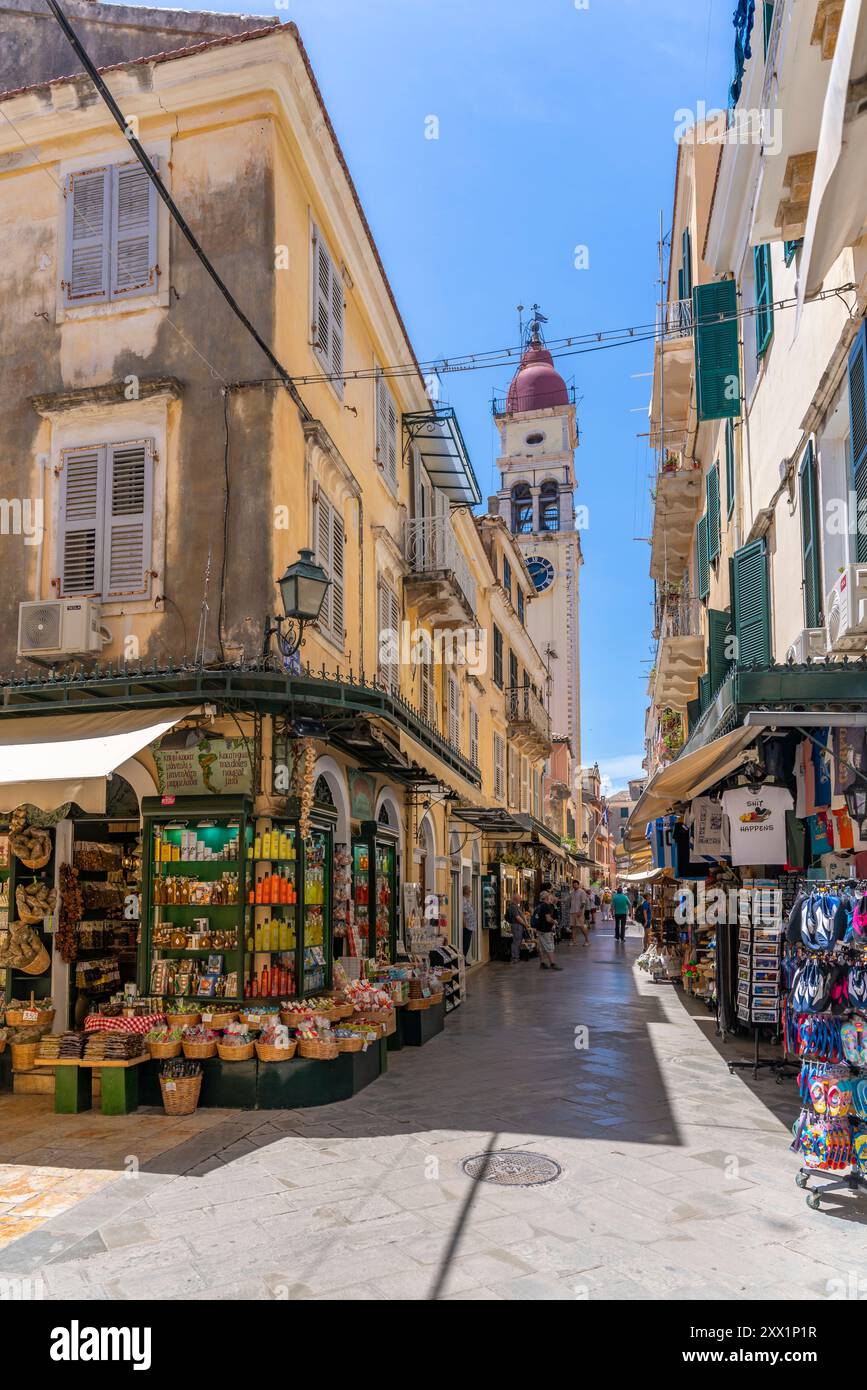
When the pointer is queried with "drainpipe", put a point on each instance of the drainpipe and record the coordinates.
(42, 462)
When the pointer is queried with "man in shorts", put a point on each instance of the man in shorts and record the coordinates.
(578, 912)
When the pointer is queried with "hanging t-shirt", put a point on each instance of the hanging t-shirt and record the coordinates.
(800, 782)
(709, 828)
(844, 831)
(833, 867)
(659, 834)
(849, 756)
(821, 841)
(757, 824)
(821, 768)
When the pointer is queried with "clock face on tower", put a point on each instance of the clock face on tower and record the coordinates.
(541, 572)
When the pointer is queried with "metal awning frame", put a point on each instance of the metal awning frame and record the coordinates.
(437, 436)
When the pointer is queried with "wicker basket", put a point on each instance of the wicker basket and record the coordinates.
(291, 1017)
(221, 1020)
(38, 965)
(259, 1020)
(236, 1054)
(161, 1051)
(266, 1053)
(377, 1015)
(24, 1056)
(342, 1011)
(183, 1020)
(351, 1044)
(15, 1017)
(322, 1051)
(183, 1098)
(414, 1005)
(199, 1050)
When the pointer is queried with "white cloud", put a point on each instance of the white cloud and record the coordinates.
(616, 772)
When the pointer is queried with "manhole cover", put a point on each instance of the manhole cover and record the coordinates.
(510, 1168)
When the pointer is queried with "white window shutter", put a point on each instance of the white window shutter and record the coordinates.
(454, 712)
(335, 589)
(134, 231)
(386, 431)
(88, 222)
(82, 510)
(321, 281)
(128, 520)
(337, 327)
(388, 619)
(324, 530)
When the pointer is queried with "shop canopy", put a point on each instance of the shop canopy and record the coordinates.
(437, 437)
(645, 876)
(695, 771)
(49, 761)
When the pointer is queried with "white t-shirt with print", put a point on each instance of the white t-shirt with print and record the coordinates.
(757, 824)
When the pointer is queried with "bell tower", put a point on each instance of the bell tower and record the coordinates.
(538, 438)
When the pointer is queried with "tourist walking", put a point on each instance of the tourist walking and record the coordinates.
(606, 904)
(621, 907)
(517, 920)
(468, 920)
(543, 922)
(577, 908)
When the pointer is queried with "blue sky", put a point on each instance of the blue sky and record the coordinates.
(556, 121)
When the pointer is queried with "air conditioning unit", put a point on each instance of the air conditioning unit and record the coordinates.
(59, 627)
(846, 621)
(811, 645)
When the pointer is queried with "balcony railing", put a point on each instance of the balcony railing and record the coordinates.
(674, 318)
(432, 549)
(677, 615)
(523, 707)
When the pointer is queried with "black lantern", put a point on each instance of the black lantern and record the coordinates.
(303, 587)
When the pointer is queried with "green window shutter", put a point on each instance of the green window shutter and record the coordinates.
(717, 366)
(681, 293)
(717, 633)
(764, 298)
(858, 424)
(686, 262)
(751, 605)
(693, 714)
(789, 249)
(768, 21)
(810, 540)
(730, 467)
(702, 568)
(704, 692)
(714, 536)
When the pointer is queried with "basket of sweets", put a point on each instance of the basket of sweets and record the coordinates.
(275, 1044)
(163, 1043)
(199, 1042)
(219, 1018)
(236, 1044)
(181, 1015)
(316, 1043)
(39, 1013)
(263, 1017)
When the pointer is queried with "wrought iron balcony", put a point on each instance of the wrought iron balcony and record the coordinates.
(674, 318)
(440, 583)
(529, 721)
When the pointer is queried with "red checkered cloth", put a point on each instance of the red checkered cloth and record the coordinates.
(99, 1023)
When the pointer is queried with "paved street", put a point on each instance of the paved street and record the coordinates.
(676, 1177)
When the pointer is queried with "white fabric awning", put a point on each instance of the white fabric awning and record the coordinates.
(48, 761)
(645, 876)
(838, 198)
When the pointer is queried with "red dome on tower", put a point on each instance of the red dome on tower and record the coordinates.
(536, 385)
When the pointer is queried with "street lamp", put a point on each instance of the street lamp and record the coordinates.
(302, 587)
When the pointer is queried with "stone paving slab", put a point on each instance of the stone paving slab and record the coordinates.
(676, 1178)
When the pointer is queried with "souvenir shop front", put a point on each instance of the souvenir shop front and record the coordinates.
(758, 843)
(206, 880)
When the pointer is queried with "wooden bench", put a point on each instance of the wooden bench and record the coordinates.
(73, 1084)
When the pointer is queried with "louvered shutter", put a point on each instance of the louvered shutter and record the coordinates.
(388, 619)
(428, 693)
(717, 661)
(82, 521)
(730, 467)
(386, 431)
(324, 529)
(454, 712)
(858, 435)
(337, 327)
(525, 784)
(702, 568)
(686, 253)
(704, 692)
(499, 787)
(88, 214)
(128, 520)
(134, 232)
(326, 311)
(336, 587)
(751, 605)
(394, 620)
(810, 540)
(764, 297)
(714, 538)
(474, 736)
(717, 363)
